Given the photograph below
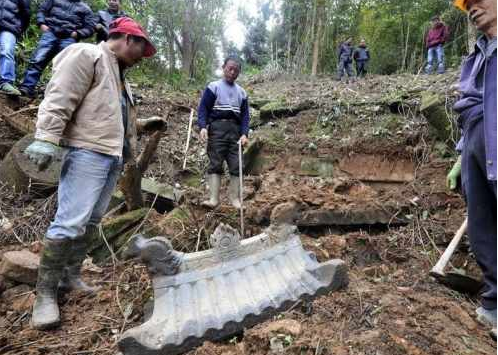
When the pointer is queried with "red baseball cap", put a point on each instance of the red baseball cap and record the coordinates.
(131, 27)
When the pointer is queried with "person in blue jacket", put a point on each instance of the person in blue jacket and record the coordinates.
(14, 20)
(62, 22)
(105, 17)
(224, 120)
(477, 163)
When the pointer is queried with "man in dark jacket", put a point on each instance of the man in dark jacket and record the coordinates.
(477, 163)
(105, 17)
(224, 122)
(345, 57)
(62, 22)
(361, 57)
(14, 19)
(434, 41)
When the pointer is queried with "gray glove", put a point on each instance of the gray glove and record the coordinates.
(41, 153)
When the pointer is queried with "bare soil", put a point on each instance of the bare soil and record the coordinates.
(391, 306)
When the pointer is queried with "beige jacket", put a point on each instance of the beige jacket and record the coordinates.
(82, 105)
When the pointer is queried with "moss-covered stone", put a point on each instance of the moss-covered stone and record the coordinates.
(434, 109)
(317, 167)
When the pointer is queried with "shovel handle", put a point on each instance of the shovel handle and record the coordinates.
(438, 269)
(189, 132)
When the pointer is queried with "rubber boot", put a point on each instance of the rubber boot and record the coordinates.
(71, 278)
(46, 313)
(234, 192)
(214, 191)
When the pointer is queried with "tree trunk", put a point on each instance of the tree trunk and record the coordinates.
(316, 45)
(23, 175)
(187, 40)
(471, 35)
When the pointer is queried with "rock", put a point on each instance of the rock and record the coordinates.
(113, 229)
(15, 292)
(433, 107)
(366, 215)
(20, 266)
(280, 108)
(165, 196)
(251, 154)
(376, 271)
(23, 302)
(316, 167)
(287, 212)
(378, 168)
(284, 326)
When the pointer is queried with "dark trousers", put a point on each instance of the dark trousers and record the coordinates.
(345, 65)
(480, 194)
(223, 146)
(48, 47)
(361, 68)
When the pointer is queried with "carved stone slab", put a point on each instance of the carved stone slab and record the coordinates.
(216, 293)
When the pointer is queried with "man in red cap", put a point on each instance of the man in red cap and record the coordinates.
(88, 112)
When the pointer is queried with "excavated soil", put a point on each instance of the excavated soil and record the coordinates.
(391, 306)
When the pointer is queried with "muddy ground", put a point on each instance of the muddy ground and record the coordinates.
(379, 155)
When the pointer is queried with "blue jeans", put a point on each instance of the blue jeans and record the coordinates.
(437, 53)
(7, 57)
(86, 185)
(480, 194)
(48, 47)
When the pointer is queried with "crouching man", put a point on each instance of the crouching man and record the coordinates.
(88, 110)
(224, 120)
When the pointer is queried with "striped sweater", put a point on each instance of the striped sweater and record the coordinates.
(222, 100)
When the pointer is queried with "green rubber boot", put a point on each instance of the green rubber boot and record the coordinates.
(46, 313)
(71, 278)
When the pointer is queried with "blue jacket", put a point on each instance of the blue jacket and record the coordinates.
(221, 100)
(105, 17)
(480, 99)
(67, 16)
(361, 53)
(345, 52)
(14, 16)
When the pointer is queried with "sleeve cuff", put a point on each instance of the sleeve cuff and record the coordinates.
(47, 136)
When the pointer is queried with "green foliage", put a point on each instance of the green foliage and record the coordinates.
(393, 29)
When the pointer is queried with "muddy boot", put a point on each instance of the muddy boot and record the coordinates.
(234, 192)
(214, 191)
(71, 279)
(46, 313)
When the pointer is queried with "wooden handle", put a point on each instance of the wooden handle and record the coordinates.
(438, 269)
(189, 132)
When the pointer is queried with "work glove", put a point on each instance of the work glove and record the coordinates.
(42, 153)
(455, 172)
(152, 124)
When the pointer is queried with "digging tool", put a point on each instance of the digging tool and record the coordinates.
(241, 192)
(191, 119)
(454, 280)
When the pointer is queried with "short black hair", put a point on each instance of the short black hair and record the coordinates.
(436, 17)
(233, 59)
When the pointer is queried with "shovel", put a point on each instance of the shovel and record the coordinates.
(454, 280)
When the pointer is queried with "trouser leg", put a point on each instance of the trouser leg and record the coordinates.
(480, 194)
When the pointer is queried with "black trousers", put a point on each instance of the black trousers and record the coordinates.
(480, 194)
(361, 68)
(223, 146)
